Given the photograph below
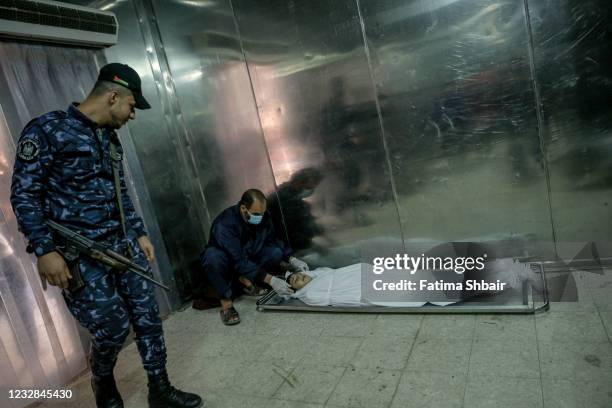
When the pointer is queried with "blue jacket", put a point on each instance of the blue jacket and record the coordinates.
(242, 241)
(63, 172)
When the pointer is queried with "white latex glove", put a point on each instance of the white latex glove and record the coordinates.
(298, 264)
(280, 286)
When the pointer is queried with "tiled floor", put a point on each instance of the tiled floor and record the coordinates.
(558, 359)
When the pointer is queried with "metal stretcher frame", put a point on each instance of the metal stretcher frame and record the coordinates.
(528, 304)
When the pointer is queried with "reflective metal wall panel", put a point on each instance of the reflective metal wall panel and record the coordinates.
(213, 89)
(572, 43)
(457, 102)
(317, 108)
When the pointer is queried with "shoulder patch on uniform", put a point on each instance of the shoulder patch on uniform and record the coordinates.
(28, 150)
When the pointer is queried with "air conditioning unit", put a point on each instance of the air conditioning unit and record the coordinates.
(56, 22)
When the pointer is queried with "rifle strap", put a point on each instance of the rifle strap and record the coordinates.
(116, 162)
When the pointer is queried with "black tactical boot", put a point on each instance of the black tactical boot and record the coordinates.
(163, 395)
(106, 392)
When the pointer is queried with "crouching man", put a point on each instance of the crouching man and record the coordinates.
(243, 250)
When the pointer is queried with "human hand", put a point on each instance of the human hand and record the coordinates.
(298, 264)
(280, 286)
(52, 268)
(147, 247)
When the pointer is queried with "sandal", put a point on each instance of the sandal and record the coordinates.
(230, 316)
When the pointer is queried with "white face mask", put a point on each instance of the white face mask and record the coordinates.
(254, 219)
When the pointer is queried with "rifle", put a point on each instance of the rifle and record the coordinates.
(82, 245)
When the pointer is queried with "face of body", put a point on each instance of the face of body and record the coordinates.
(257, 209)
(298, 280)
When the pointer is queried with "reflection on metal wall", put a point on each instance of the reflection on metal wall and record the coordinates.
(435, 118)
(317, 108)
(39, 341)
(457, 103)
(572, 41)
(213, 89)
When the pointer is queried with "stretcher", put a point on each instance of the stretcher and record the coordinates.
(524, 301)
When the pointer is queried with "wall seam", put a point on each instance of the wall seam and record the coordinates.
(540, 120)
(380, 121)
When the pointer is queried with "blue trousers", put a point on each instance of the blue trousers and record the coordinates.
(220, 272)
(109, 303)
